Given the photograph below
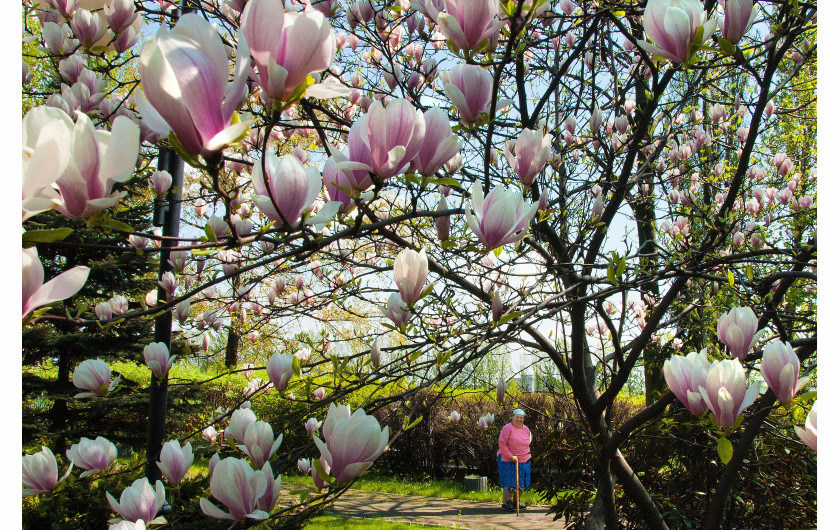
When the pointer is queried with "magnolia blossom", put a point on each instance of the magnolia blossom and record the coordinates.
(210, 433)
(312, 425)
(808, 435)
(725, 391)
(500, 390)
(780, 369)
(289, 185)
(236, 485)
(47, 142)
(352, 442)
(394, 310)
(376, 353)
(467, 23)
(139, 501)
(500, 218)
(36, 293)
(529, 154)
(738, 16)
(469, 88)
(92, 455)
(184, 75)
(319, 393)
(175, 461)
(454, 416)
(442, 222)
(439, 143)
(671, 25)
(94, 376)
(685, 375)
(737, 329)
(386, 139)
(411, 268)
(287, 47)
(40, 472)
(304, 465)
(259, 443)
(157, 358)
(279, 370)
(239, 422)
(267, 501)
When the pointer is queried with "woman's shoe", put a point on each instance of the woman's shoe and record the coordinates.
(523, 507)
(508, 506)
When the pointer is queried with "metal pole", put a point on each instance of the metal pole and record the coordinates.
(170, 215)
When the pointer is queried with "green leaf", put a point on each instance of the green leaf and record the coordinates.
(726, 47)
(611, 275)
(116, 225)
(412, 424)
(507, 318)
(731, 278)
(749, 272)
(414, 356)
(316, 463)
(622, 264)
(211, 236)
(446, 181)
(724, 449)
(446, 245)
(45, 236)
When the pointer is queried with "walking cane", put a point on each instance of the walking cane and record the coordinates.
(517, 487)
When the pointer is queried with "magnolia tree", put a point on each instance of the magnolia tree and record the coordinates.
(618, 189)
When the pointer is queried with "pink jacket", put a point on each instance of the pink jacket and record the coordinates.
(515, 442)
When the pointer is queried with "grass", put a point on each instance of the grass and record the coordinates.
(446, 488)
(333, 521)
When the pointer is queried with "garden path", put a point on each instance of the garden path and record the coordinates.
(456, 513)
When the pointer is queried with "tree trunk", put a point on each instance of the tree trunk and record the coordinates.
(231, 349)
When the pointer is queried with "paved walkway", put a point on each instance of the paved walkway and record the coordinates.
(454, 513)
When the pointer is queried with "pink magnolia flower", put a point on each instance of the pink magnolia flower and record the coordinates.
(496, 306)
(454, 416)
(392, 137)
(808, 435)
(725, 391)
(500, 390)
(236, 485)
(157, 358)
(469, 88)
(98, 160)
(92, 455)
(737, 329)
(341, 186)
(738, 16)
(352, 442)
(780, 369)
(411, 268)
(394, 310)
(375, 354)
(439, 143)
(312, 425)
(267, 501)
(239, 422)
(36, 293)
(175, 461)
(684, 376)
(319, 393)
(467, 23)
(210, 433)
(259, 443)
(161, 182)
(40, 472)
(279, 370)
(94, 376)
(287, 47)
(671, 25)
(47, 145)
(529, 155)
(292, 187)
(442, 222)
(184, 75)
(139, 501)
(500, 218)
(304, 466)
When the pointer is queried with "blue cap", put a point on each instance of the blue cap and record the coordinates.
(518, 411)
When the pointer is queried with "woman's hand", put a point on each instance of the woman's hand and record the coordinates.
(516, 459)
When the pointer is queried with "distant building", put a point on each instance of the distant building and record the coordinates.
(526, 382)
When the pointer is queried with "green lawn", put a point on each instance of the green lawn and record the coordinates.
(333, 521)
(447, 489)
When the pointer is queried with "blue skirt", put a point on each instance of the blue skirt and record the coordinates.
(507, 473)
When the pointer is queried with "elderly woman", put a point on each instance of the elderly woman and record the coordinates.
(514, 446)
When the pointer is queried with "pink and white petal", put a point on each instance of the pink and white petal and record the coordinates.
(229, 135)
(62, 286)
(211, 510)
(120, 157)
